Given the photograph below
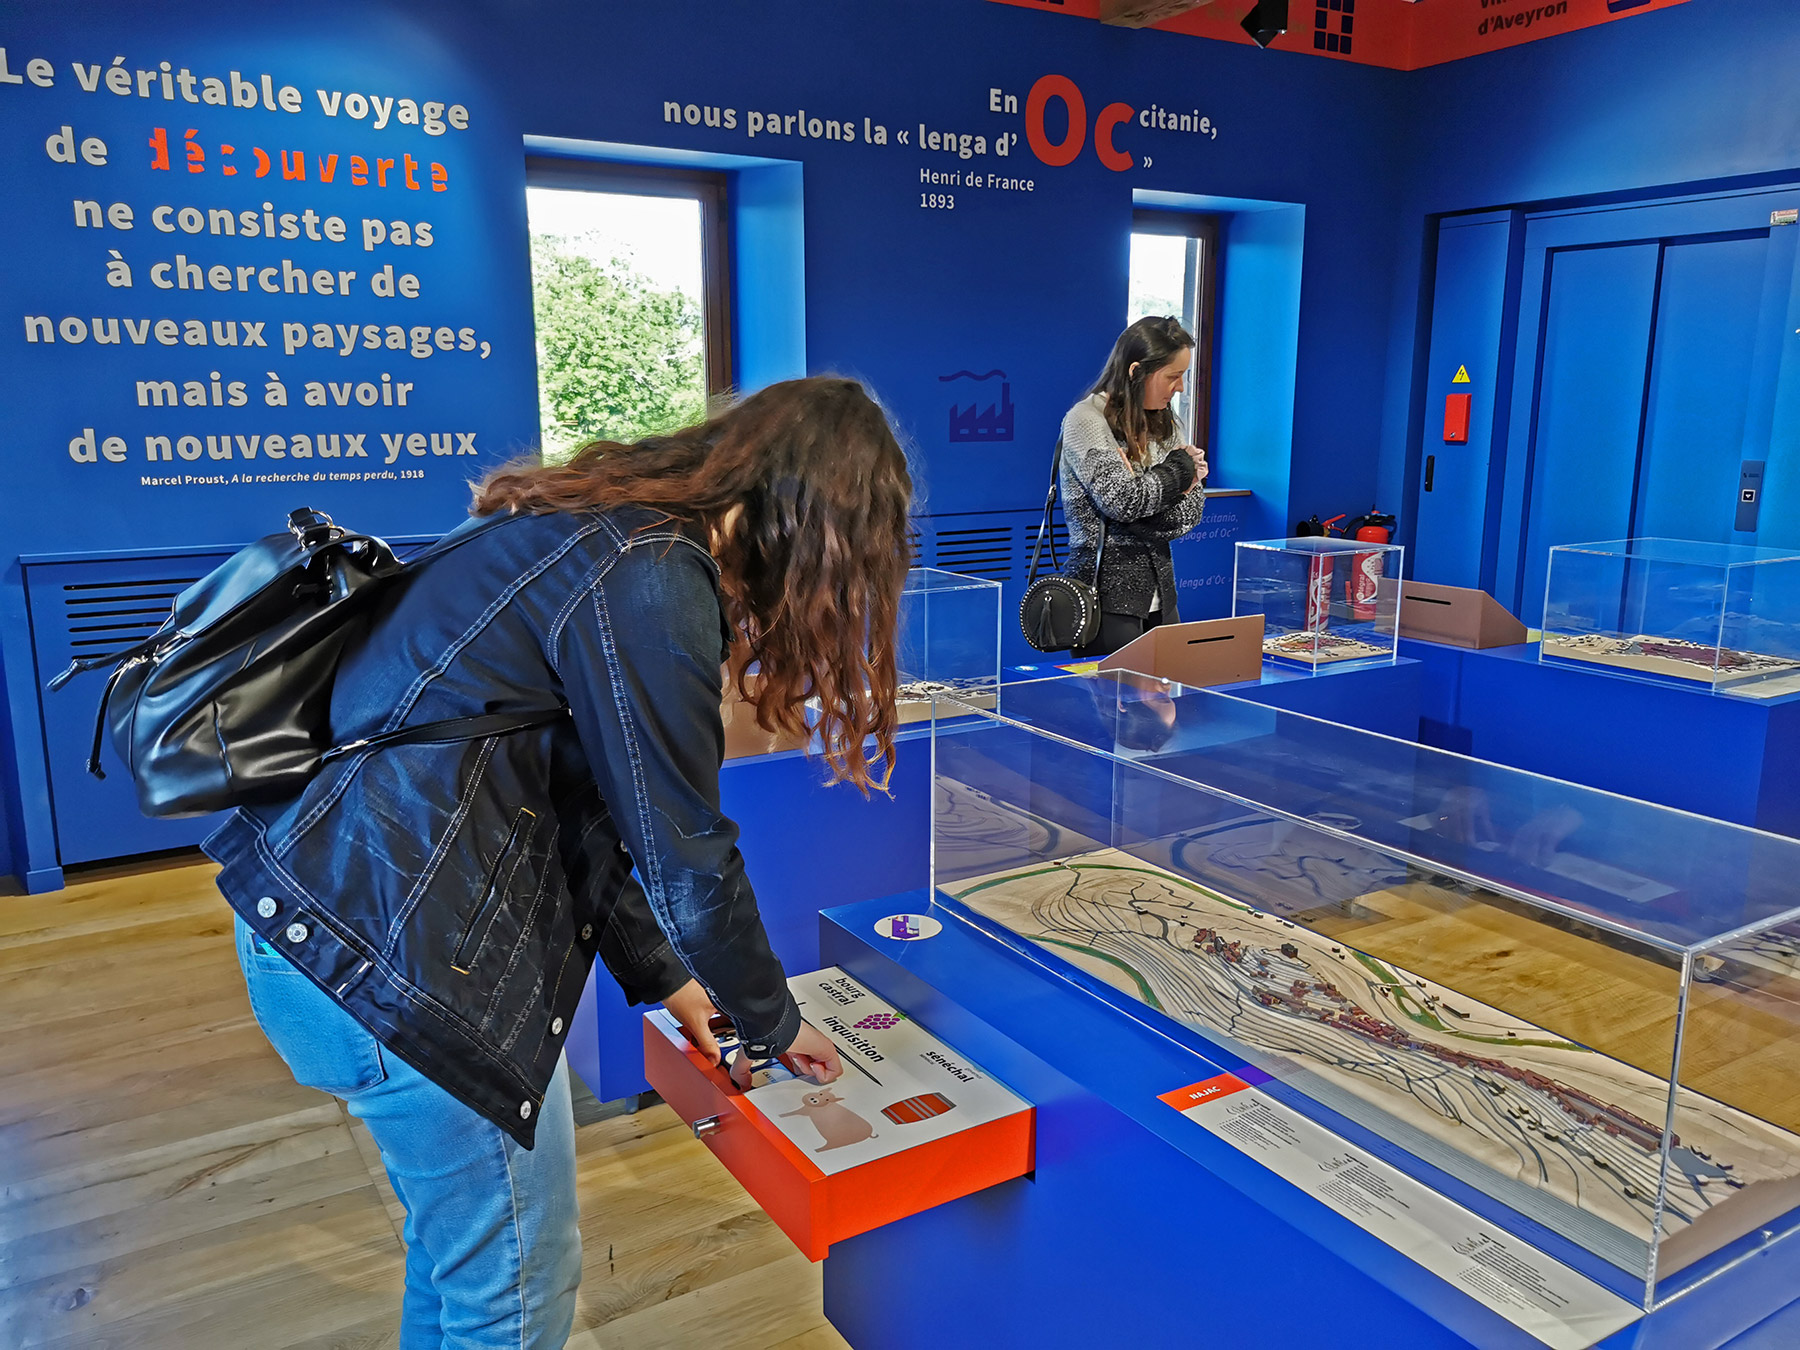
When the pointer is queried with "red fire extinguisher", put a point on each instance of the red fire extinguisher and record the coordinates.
(1364, 581)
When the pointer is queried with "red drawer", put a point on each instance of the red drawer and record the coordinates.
(948, 1131)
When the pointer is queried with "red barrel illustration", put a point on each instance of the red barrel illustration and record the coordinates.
(914, 1109)
(1318, 592)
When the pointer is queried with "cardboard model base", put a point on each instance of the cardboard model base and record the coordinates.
(1318, 648)
(913, 698)
(1673, 658)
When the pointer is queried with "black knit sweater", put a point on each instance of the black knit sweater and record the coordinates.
(1144, 509)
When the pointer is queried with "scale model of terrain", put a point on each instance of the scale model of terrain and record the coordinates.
(1317, 647)
(913, 698)
(1547, 1112)
(1674, 657)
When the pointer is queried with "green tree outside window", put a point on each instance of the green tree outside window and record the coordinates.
(618, 358)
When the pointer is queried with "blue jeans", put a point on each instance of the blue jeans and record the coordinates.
(493, 1254)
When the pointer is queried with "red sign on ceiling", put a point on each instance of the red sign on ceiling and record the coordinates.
(1397, 34)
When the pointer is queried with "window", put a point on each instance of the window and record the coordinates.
(1174, 269)
(629, 294)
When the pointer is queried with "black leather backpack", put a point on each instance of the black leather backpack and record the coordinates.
(228, 703)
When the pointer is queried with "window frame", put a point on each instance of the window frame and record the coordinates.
(712, 190)
(1200, 288)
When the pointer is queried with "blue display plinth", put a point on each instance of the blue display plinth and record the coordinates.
(1137, 1227)
(805, 846)
(1717, 754)
(1382, 698)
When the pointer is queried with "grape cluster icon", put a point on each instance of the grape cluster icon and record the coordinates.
(878, 1022)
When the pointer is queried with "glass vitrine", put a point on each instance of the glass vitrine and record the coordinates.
(1719, 616)
(949, 640)
(1571, 1012)
(1323, 603)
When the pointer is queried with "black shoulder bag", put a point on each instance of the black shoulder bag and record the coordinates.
(1058, 612)
(229, 702)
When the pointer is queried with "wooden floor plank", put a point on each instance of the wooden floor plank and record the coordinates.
(59, 1139)
(166, 1185)
(380, 1334)
(309, 1269)
(630, 1277)
(822, 1337)
(119, 1034)
(125, 1183)
(751, 1311)
(203, 1203)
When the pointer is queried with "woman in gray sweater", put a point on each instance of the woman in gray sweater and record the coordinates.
(1123, 464)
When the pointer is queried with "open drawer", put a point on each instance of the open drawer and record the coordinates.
(911, 1124)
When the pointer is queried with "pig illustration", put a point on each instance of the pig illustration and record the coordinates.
(836, 1123)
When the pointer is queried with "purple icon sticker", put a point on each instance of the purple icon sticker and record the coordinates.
(908, 927)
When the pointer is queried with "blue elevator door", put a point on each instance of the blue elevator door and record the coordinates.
(1649, 351)
(1706, 332)
(1590, 402)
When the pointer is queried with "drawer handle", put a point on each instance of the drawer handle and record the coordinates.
(707, 1125)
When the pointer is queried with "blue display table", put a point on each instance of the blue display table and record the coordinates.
(1733, 758)
(1140, 1228)
(1385, 699)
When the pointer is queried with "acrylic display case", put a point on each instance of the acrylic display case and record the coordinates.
(1322, 601)
(1570, 1013)
(1725, 616)
(948, 640)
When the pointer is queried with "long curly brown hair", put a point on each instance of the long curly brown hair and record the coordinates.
(811, 567)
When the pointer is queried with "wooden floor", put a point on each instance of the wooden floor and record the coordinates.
(164, 1182)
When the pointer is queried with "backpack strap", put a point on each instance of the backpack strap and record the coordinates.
(82, 664)
(462, 534)
(450, 729)
(112, 682)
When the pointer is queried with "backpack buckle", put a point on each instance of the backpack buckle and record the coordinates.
(310, 527)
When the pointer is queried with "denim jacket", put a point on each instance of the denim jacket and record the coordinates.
(453, 896)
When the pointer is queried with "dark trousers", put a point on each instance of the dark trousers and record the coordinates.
(1115, 631)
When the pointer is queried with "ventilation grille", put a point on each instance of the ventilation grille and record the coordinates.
(102, 617)
(983, 551)
(993, 545)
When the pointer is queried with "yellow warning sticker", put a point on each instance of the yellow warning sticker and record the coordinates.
(1462, 375)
